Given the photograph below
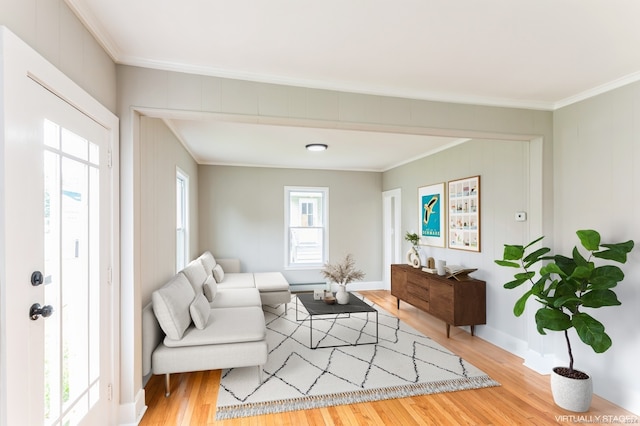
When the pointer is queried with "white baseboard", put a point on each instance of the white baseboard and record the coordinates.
(131, 413)
(504, 341)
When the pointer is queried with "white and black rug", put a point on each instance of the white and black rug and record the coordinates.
(403, 363)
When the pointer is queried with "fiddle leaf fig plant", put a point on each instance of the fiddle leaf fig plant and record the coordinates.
(566, 285)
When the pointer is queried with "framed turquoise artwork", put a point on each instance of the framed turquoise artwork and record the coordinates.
(431, 213)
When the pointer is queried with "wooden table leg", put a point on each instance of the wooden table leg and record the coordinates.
(448, 329)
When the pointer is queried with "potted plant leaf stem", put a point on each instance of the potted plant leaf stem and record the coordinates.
(564, 286)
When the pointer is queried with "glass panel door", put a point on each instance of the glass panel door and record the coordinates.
(72, 278)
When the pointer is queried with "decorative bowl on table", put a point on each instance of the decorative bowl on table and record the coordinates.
(329, 300)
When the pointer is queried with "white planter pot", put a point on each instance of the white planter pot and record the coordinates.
(342, 297)
(571, 394)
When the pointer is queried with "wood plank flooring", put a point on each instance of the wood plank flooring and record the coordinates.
(523, 399)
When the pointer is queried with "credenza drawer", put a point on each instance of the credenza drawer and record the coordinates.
(419, 291)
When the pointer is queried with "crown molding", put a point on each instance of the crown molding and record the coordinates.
(598, 90)
(92, 24)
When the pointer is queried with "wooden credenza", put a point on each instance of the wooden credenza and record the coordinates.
(454, 302)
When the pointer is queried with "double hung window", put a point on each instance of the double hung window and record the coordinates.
(306, 227)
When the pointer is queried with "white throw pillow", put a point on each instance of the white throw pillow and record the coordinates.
(218, 273)
(171, 306)
(208, 261)
(210, 288)
(196, 274)
(200, 311)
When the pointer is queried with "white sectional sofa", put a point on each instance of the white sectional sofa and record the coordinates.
(273, 286)
(195, 323)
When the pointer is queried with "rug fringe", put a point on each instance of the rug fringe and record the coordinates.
(368, 395)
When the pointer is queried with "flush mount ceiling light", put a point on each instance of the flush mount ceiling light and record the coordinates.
(317, 146)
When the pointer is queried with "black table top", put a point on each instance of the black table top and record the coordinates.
(318, 307)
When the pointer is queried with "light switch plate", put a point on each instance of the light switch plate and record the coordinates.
(521, 216)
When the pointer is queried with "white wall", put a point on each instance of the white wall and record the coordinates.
(597, 186)
(161, 154)
(242, 216)
(55, 32)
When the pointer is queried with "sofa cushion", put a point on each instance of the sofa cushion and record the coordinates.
(218, 273)
(229, 298)
(196, 274)
(171, 306)
(237, 280)
(225, 325)
(200, 311)
(208, 262)
(210, 288)
(270, 281)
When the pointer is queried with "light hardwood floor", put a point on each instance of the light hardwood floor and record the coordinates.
(523, 398)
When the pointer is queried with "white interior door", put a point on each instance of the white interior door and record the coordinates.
(56, 252)
(391, 219)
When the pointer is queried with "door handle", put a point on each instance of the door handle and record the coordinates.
(36, 311)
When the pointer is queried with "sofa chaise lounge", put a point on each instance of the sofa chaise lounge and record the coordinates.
(194, 323)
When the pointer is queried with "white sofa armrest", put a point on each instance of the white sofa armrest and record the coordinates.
(229, 265)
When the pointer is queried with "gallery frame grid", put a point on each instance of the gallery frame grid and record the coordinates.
(464, 214)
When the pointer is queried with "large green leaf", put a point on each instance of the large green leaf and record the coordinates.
(570, 299)
(566, 287)
(512, 252)
(591, 332)
(507, 263)
(518, 308)
(535, 256)
(582, 272)
(566, 264)
(607, 276)
(616, 252)
(578, 258)
(533, 242)
(552, 319)
(600, 298)
(589, 239)
(514, 284)
(551, 268)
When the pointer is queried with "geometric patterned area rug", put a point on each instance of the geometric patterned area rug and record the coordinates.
(404, 363)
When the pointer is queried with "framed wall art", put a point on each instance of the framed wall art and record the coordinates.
(464, 214)
(432, 214)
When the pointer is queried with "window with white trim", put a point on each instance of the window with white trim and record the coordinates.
(182, 215)
(306, 227)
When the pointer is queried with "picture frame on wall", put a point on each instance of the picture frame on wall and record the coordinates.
(432, 215)
(464, 214)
